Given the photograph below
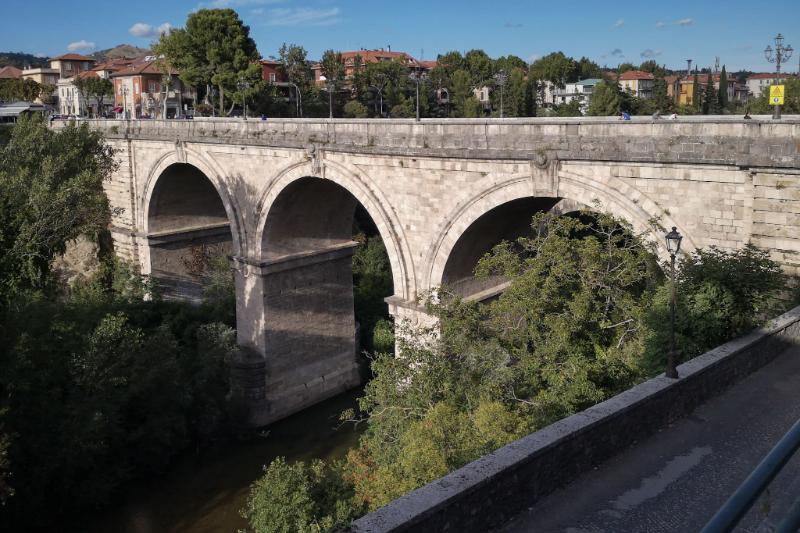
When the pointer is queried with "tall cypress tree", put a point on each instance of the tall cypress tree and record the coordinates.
(695, 91)
(709, 96)
(722, 97)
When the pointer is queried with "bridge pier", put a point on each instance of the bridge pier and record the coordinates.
(296, 312)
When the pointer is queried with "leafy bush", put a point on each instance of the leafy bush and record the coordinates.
(300, 497)
(355, 109)
(720, 296)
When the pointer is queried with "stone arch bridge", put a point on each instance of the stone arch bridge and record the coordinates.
(279, 197)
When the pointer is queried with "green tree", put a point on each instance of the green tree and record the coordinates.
(387, 79)
(355, 109)
(625, 67)
(333, 69)
(480, 67)
(791, 99)
(588, 69)
(723, 90)
(51, 192)
(214, 48)
(94, 88)
(696, 93)
(607, 99)
(461, 92)
(661, 99)
(555, 68)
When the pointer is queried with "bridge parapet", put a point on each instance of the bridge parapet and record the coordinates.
(693, 140)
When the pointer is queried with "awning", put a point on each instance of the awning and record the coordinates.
(118, 109)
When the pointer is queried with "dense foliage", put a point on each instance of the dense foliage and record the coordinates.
(97, 384)
(584, 318)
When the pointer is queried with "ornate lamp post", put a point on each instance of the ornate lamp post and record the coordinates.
(331, 89)
(125, 102)
(780, 54)
(415, 76)
(673, 239)
(501, 78)
(243, 85)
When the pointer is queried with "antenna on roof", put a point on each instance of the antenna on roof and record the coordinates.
(716, 64)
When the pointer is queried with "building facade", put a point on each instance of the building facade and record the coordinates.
(146, 89)
(638, 83)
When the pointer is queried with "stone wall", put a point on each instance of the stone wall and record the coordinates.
(489, 491)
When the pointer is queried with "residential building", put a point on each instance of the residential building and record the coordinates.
(638, 83)
(69, 65)
(140, 91)
(673, 84)
(757, 83)
(44, 76)
(580, 91)
(271, 71)
(737, 92)
(10, 72)
(367, 57)
(70, 99)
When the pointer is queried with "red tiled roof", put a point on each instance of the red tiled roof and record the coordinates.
(10, 72)
(116, 64)
(88, 74)
(768, 76)
(636, 75)
(273, 62)
(142, 67)
(72, 57)
(428, 64)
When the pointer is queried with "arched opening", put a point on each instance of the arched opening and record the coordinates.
(189, 232)
(506, 222)
(325, 273)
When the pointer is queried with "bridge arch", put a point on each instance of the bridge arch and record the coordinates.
(613, 196)
(188, 220)
(364, 192)
(154, 185)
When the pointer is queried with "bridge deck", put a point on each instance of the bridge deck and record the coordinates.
(678, 478)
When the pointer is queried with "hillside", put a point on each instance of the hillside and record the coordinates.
(121, 50)
(21, 60)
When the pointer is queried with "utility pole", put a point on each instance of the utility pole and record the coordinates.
(501, 78)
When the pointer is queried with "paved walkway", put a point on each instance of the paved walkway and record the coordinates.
(677, 479)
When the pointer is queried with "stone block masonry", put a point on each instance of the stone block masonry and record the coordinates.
(435, 190)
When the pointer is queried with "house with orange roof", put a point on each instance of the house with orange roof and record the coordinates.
(638, 83)
(147, 88)
(10, 72)
(367, 57)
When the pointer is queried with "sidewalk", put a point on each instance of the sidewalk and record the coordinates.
(677, 479)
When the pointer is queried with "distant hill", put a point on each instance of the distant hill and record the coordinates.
(22, 60)
(121, 50)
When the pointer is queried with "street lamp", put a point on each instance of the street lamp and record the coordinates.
(125, 101)
(673, 239)
(331, 88)
(243, 86)
(415, 76)
(501, 78)
(779, 55)
(299, 101)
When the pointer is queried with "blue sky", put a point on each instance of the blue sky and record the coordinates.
(669, 32)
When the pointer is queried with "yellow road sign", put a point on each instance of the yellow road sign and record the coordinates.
(776, 94)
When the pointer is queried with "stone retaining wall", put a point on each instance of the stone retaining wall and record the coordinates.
(489, 491)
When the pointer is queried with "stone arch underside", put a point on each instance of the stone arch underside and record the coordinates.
(304, 247)
(187, 228)
(507, 203)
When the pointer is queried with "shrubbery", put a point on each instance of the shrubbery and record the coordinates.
(583, 319)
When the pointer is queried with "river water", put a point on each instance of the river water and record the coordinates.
(203, 496)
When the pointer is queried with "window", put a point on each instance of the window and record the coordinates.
(152, 87)
(68, 66)
(272, 76)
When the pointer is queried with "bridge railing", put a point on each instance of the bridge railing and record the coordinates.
(732, 512)
(718, 140)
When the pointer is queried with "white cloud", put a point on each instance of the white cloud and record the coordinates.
(147, 31)
(302, 16)
(650, 53)
(82, 45)
(619, 23)
(679, 22)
